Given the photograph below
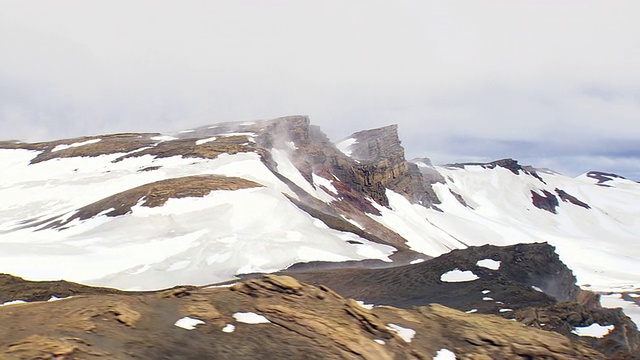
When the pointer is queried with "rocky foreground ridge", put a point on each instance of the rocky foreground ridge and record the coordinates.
(502, 314)
(294, 320)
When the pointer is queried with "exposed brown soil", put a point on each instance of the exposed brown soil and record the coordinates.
(305, 322)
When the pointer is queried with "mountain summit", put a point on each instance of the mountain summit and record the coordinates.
(151, 211)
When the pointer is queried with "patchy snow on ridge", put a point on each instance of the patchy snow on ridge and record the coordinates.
(229, 328)
(204, 141)
(188, 323)
(13, 302)
(457, 275)
(445, 354)
(250, 318)
(594, 330)
(78, 144)
(489, 264)
(345, 146)
(320, 181)
(404, 333)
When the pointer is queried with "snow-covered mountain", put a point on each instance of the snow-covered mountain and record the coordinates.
(149, 211)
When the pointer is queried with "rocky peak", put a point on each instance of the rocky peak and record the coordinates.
(382, 162)
(377, 144)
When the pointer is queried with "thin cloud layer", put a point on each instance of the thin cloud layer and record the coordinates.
(541, 81)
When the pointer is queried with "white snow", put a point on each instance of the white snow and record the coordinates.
(615, 300)
(229, 328)
(204, 141)
(68, 146)
(379, 341)
(345, 146)
(320, 181)
(457, 275)
(489, 264)
(536, 288)
(416, 261)
(13, 302)
(404, 333)
(485, 292)
(471, 311)
(250, 318)
(188, 323)
(635, 295)
(445, 354)
(486, 298)
(162, 138)
(188, 240)
(505, 310)
(594, 330)
(366, 306)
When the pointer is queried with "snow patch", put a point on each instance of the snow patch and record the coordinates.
(416, 261)
(162, 138)
(204, 141)
(505, 310)
(445, 354)
(78, 144)
(485, 292)
(536, 288)
(457, 275)
(13, 302)
(229, 328)
(471, 311)
(345, 146)
(188, 323)
(594, 330)
(320, 181)
(486, 298)
(404, 333)
(366, 306)
(250, 318)
(489, 264)
(379, 341)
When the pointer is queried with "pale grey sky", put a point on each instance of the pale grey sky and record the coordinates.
(552, 83)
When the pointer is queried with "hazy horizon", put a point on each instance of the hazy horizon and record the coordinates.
(553, 84)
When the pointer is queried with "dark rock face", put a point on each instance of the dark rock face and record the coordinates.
(603, 177)
(522, 267)
(509, 164)
(571, 199)
(381, 158)
(547, 201)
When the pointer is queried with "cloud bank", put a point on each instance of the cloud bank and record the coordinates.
(551, 83)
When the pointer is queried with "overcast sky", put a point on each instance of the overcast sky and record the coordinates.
(551, 83)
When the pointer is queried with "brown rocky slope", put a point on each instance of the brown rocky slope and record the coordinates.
(300, 321)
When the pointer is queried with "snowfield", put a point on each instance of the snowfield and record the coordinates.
(188, 240)
(213, 238)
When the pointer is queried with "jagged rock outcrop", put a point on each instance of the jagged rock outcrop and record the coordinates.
(269, 317)
(382, 162)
